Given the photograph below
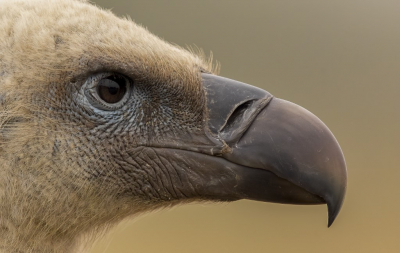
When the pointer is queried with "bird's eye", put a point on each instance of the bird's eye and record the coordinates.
(108, 91)
(112, 89)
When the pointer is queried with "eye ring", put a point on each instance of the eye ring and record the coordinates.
(108, 91)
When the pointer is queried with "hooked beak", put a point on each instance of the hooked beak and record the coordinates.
(284, 153)
(256, 147)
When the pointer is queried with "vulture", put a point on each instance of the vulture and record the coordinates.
(102, 120)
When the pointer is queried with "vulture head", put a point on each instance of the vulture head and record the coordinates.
(101, 120)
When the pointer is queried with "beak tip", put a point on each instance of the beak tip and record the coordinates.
(333, 211)
(330, 221)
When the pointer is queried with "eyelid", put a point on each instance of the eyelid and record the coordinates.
(93, 79)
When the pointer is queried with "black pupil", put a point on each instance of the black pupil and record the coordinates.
(112, 89)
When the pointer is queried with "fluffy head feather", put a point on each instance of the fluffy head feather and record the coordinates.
(61, 173)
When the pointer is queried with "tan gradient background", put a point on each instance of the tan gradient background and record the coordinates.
(340, 60)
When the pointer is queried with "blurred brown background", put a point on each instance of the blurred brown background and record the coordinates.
(338, 59)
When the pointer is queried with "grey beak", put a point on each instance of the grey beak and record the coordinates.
(286, 154)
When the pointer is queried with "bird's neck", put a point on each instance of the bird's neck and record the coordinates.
(16, 242)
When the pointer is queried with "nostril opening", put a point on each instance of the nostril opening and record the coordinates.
(236, 116)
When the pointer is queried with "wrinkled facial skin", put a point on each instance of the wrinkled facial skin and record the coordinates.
(125, 140)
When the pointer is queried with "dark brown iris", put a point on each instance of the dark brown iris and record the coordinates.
(112, 89)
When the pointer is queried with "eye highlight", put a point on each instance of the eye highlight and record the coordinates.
(108, 91)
